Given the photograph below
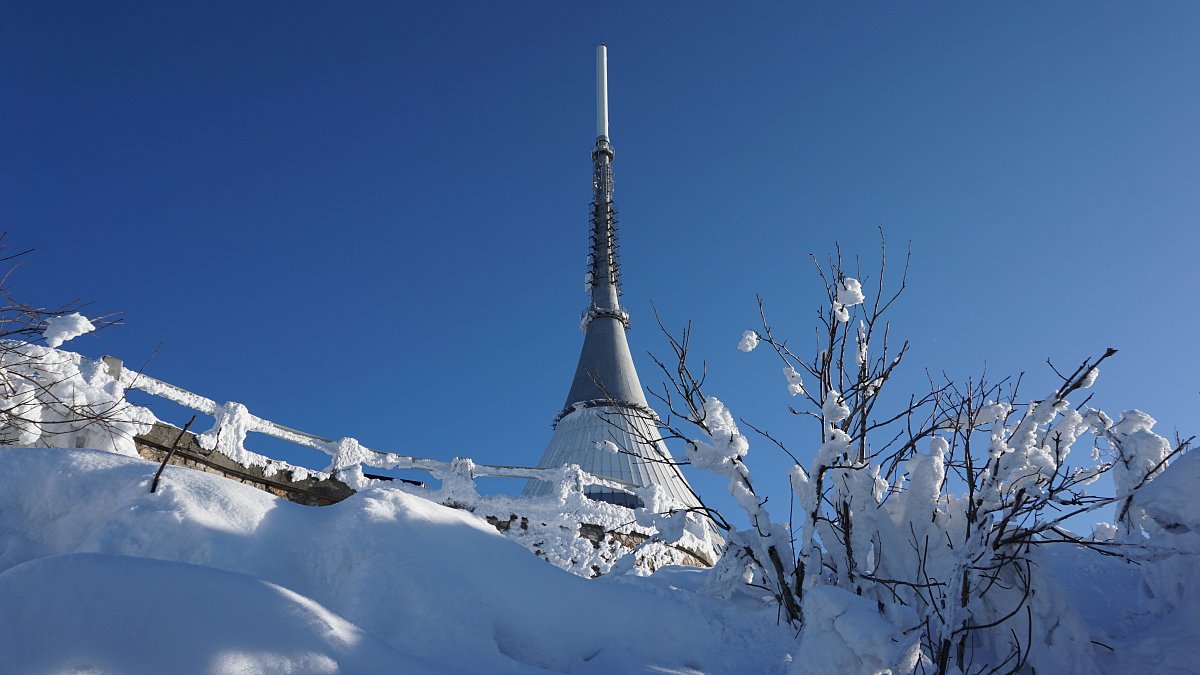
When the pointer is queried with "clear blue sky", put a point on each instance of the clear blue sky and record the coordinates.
(371, 220)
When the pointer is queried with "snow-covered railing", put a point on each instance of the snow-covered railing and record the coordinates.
(549, 525)
(61, 399)
(232, 421)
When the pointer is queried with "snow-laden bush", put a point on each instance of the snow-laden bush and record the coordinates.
(57, 399)
(933, 516)
(54, 398)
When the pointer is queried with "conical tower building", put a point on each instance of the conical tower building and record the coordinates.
(606, 425)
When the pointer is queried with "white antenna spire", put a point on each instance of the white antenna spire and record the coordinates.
(606, 378)
(602, 91)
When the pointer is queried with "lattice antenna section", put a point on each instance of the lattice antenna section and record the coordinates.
(604, 249)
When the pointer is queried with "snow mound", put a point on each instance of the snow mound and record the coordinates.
(208, 575)
(1170, 499)
(134, 615)
(429, 582)
(846, 634)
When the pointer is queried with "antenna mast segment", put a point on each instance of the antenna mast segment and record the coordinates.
(602, 91)
(603, 279)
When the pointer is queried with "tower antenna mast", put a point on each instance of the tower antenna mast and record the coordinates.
(606, 402)
(602, 91)
(603, 279)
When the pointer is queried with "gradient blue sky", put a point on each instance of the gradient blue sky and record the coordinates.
(370, 219)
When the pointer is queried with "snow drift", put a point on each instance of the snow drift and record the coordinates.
(382, 578)
(211, 576)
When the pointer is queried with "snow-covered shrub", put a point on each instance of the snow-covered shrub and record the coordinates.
(53, 398)
(58, 399)
(933, 516)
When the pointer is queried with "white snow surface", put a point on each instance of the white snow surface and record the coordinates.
(1170, 499)
(138, 615)
(60, 329)
(97, 575)
(844, 628)
(211, 576)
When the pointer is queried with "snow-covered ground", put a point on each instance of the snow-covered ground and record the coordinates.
(208, 575)
(98, 575)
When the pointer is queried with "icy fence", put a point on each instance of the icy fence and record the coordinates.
(549, 525)
(232, 421)
(55, 398)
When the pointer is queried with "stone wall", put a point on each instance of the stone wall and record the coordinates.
(156, 444)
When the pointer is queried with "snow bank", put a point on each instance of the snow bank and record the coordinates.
(1170, 499)
(427, 581)
(1135, 625)
(115, 614)
(845, 633)
(209, 575)
(1142, 614)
